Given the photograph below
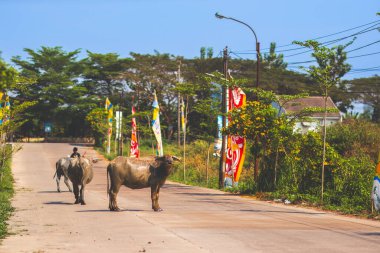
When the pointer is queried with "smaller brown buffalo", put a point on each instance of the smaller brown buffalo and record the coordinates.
(80, 173)
(137, 173)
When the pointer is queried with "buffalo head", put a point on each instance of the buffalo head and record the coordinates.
(166, 159)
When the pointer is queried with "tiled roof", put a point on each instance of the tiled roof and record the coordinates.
(298, 104)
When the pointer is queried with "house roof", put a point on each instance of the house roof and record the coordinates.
(299, 104)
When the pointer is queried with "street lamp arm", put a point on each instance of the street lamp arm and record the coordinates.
(236, 20)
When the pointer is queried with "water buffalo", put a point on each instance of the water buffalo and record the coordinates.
(80, 173)
(61, 167)
(137, 173)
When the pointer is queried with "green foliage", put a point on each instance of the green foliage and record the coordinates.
(368, 91)
(197, 170)
(6, 193)
(331, 67)
(355, 138)
(97, 120)
(59, 98)
(273, 60)
(102, 73)
(352, 184)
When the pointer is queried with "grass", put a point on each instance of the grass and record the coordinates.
(199, 174)
(6, 193)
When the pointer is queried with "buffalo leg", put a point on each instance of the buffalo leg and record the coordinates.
(114, 190)
(81, 195)
(57, 179)
(66, 180)
(155, 191)
(76, 193)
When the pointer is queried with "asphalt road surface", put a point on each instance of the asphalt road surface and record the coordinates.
(194, 219)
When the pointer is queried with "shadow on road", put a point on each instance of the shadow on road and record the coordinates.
(205, 194)
(370, 234)
(51, 191)
(106, 210)
(271, 211)
(177, 186)
(82, 144)
(57, 203)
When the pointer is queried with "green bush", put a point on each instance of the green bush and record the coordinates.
(6, 192)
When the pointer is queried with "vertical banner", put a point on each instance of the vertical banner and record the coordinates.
(235, 144)
(2, 112)
(156, 125)
(375, 194)
(183, 121)
(183, 116)
(118, 119)
(134, 151)
(109, 109)
(218, 140)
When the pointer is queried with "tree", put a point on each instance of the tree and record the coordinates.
(56, 90)
(331, 68)
(154, 73)
(367, 90)
(102, 73)
(274, 60)
(203, 53)
(210, 52)
(260, 123)
(11, 115)
(97, 119)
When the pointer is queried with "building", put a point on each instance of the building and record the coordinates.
(315, 120)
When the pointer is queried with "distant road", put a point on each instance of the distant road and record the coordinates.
(194, 219)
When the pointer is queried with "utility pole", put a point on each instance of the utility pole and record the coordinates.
(222, 161)
(179, 106)
(257, 64)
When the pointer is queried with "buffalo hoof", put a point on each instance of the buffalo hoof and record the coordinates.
(158, 209)
(76, 202)
(58, 190)
(115, 209)
(83, 203)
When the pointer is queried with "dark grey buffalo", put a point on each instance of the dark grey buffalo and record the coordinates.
(137, 173)
(80, 173)
(61, 168)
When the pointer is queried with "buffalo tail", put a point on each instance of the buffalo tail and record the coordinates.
(108, 185)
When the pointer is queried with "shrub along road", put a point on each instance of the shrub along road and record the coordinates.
(194, 219)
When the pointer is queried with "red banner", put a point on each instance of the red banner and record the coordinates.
(134, 144)
(235, 144)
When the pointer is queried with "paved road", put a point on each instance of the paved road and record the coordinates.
(194, 220)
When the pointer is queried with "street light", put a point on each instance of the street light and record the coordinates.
(217, 15)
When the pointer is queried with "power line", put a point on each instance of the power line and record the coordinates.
(326, 36)
(363, 46)
(326, 43)
(374, 23)
(366, 68)
(351, 57)
(231, 52)
(336, 40)
(358, 56)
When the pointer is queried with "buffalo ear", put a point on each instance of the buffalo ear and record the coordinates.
(176, 158)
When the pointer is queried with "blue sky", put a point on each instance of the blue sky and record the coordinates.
(182, 27)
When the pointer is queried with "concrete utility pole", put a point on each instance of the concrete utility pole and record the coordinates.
(222, 161)
(179, 106)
